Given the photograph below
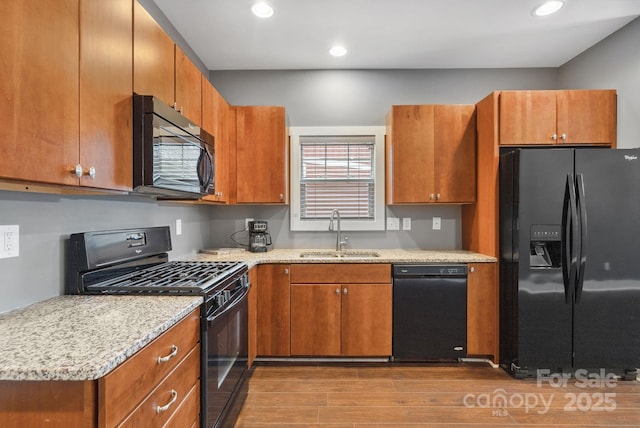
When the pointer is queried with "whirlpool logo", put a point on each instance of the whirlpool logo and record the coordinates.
(631, 157)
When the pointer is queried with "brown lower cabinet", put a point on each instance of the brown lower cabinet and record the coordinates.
(350, 320)
(274, 311)
(336, 309)
(341, 310)
(142, 391)
(482, 310)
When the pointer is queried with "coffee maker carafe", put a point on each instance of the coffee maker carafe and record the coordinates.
(259, 238)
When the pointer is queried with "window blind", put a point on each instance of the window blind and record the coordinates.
(337, 172)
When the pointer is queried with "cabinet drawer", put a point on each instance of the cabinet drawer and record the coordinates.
(124, 388)
(340, 273)
(168, 397)
(188, 414)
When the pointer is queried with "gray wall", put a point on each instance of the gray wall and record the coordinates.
(360, 97)
(363, 97)
(613, 63)
(47, 220)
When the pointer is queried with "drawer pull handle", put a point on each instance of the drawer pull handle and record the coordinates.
(174, 397)
(174, 352)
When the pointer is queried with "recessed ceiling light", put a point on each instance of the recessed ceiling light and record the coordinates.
(262, 10)
(548, 7)
(338, 51)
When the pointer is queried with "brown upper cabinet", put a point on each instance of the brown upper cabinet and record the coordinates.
(573, 117)
(71, 124)
(216, 119)
(431, 154)
(105, 94)
(153, 57)
(188, 92)
(262, 155)
(161, 69)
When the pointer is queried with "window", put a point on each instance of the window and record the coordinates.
(337, 168)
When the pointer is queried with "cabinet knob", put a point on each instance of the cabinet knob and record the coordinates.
(77, 170)
(472, 269)
(281, 196)
(431, 196)
(286, 271)
(91, 173)
(554, 137)
(344, 291)
(438, 196)
(337, 291)
(563, 136)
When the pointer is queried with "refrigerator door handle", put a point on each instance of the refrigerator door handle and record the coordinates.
(569, 233)
(582, 208)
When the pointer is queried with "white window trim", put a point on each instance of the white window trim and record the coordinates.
(295, 132)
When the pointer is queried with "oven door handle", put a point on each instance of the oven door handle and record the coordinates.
(239, 298)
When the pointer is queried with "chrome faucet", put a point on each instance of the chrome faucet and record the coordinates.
(339, 242)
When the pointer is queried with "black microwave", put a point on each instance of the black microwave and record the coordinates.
(172, 156)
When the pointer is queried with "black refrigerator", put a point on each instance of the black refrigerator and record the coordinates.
(570, 261)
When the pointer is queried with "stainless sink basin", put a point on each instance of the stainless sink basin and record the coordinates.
(348, 254)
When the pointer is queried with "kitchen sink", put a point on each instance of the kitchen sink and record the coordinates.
(348, 254)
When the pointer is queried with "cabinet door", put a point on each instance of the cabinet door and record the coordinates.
(261, 155)
(410, 154)
(153, 57)
(315, 319)
(482, 309)
(105, 93)
(215, 119)
(527, 117)
(587, 117)
(274, 312)
(366, 320)
(39, 90)
(188, 95)
(455, 153)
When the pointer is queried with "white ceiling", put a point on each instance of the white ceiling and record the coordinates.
(393, 33)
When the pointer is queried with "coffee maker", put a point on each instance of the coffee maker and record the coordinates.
(259, 238)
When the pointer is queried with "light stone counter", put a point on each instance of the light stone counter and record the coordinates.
(386, 256)
(83, 337)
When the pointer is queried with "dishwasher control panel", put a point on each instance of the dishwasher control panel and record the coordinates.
(429, 270)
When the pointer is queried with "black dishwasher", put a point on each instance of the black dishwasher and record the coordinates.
(429, 312)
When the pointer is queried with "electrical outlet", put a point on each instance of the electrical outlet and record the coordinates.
(179, 227)
(437, 223)
(406, 223)
(393, 223)
(246, 223)
(10, 241)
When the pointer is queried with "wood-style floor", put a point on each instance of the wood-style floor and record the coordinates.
(357, 396)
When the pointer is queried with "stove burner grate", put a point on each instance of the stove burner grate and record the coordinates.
(176, 277)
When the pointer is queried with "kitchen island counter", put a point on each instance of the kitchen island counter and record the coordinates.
(79, 338)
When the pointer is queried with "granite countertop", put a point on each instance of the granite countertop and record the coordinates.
(81, 338)
(385, 256)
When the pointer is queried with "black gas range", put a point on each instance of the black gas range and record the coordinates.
(135, 261)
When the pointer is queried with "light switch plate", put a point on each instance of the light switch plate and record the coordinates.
(393, 223)
(406, 223)
(178, 227)
(9, 241)
(437, 223)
